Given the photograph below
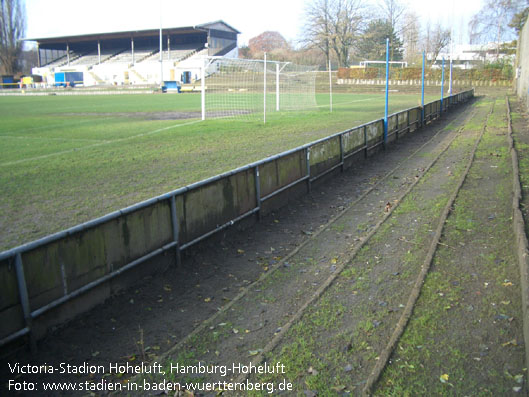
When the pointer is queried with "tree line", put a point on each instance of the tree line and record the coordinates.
(349, 31)
(12, 30)
(344, 31)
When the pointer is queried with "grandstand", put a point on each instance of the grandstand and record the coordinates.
(133, 57)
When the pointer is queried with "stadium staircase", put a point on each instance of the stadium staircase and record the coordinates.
(198, 51)
(116, 54)
(96, 77)
(147, 56)
(139, 76)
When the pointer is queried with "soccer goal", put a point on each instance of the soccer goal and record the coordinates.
(253, 89)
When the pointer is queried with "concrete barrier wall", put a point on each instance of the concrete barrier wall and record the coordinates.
(40, 276)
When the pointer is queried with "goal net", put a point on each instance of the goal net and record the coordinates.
(255, 89)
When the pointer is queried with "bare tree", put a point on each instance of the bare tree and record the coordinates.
(334, 26)
(410, 36)
(436, 39)
(393, 11)
(12, 29)
(317, 27)
(347, 20)
(491, 23)
(266, 42)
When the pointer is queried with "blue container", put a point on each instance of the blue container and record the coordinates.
(7, 82)
(64, 79)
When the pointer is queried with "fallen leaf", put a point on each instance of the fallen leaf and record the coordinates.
(334, 261)
(255, 352)
(388, 207)
(505, 302)
(510, 343)
(207, 300)
(167, 287)
(518, 378)
(338, 388)
(240, 251)
(507, 284)
(444, 378)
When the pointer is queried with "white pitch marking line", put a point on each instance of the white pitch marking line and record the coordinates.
(345, 103)
(98, 144)
(44, 138)
(44, 127)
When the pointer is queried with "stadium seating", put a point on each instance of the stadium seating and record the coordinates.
(178, 52)
(124, 55)
(92, 58)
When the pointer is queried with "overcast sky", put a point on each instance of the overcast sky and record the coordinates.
(47, 18)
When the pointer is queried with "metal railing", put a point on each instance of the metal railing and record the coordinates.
(370, 135)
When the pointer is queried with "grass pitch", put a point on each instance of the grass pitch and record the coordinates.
(67, 159)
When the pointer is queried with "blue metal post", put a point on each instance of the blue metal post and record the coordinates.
(442, 85)
(387, 94)
(422, 91)
(450, 87)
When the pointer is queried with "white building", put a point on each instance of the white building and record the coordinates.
(467, 56)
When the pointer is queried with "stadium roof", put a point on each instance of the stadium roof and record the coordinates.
(217, 25)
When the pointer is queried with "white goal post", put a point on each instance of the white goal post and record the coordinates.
(250, 89)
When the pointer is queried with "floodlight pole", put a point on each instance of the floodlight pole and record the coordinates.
(330, 85)
(387, 95)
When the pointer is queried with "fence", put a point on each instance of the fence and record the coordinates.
(44, 274)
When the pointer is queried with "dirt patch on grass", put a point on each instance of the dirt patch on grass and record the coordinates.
(161, 115)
